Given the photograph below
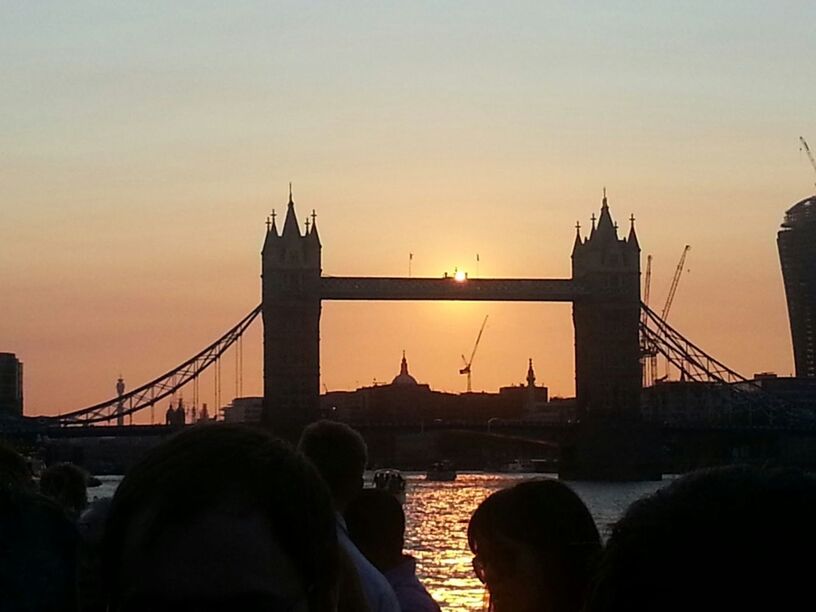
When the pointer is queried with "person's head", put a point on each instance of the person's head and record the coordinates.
(534, 546)
(339, 453)
(14, 471)
(376, 524)
(221, 517)
(730, 538)
(38, 554)
(66, 484)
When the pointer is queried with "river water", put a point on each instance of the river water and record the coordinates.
(437, 514)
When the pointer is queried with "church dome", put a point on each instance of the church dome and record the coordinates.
(404, 378)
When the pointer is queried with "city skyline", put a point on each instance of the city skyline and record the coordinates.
(142, 159)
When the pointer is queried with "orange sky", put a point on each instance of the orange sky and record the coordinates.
(141, 150)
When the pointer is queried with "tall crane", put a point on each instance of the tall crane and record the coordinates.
(675, 281)
(809, 154)
(649, 352)
(670, 298)
(469, 362)
(647, 283)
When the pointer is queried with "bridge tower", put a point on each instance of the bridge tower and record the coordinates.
(291, 267)
(611, 443)
(607, 347)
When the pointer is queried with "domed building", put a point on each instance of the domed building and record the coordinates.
(404, 378)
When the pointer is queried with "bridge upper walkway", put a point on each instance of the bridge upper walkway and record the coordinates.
(448, 288)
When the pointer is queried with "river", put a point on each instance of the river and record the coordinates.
(437, 514)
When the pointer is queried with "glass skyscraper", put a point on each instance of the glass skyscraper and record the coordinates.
(797, 253)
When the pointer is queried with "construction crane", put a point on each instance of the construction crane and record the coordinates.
(809, 154)
(469, 362)
(649, 352)
(675, 281)
(670, 300)
(647, 283)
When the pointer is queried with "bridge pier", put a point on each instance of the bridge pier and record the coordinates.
(612, 450)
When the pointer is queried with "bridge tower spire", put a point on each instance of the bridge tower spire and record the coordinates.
(291, 269)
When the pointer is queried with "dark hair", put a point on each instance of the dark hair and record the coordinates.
(338, 452)
(547, 516)
(218, 464)
(730, 538)
(14, 471)
(66, 484)
(38, 554)
(375, 519)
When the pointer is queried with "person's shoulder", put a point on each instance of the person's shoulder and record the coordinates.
(378, 590)
(415, 598)
(388, 600)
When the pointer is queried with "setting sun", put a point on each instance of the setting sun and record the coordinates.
(459, 276)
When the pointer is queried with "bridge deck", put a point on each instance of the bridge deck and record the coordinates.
(476, 289)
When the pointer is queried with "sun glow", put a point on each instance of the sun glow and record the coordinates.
(459, 276)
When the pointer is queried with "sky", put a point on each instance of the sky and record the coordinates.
(142, 146)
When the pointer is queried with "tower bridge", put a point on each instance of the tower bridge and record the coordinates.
(613, 330)
(604, 290)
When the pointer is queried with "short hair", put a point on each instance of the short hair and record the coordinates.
(727, 538)
(219, 464)
(375, 520)
(66, 484)
(549, 517)
(14, 471)
(337, 451)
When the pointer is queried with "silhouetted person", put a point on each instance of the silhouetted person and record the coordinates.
(91, 525)
(221, 517)
(534, 545)
(66, 484)
(38, 553)
(14, 471)
(376, 523)
(339, 453)
(726, 539)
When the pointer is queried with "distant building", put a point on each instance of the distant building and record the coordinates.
(686, 401)
(11, 385)
(244, 410)
(407, 401)
(799, 391)
(533, 399)
(797, 253)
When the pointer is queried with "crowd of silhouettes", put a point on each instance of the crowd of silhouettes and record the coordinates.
(225, 517)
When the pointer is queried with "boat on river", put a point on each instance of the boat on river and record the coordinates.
(390, 481)
(515, 467)
(441, 471)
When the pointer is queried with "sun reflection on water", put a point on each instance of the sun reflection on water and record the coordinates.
(437, 516)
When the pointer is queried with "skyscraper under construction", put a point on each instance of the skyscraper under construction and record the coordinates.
(797, 253)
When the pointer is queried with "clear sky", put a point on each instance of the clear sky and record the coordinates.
(142, 145)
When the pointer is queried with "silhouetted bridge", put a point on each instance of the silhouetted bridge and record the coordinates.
(449, 288)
